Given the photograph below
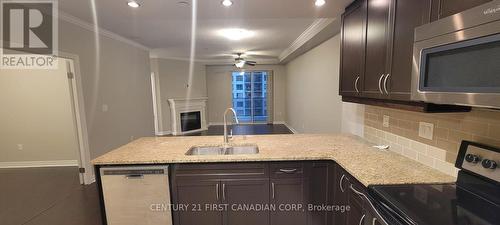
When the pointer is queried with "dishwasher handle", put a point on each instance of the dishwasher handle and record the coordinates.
(134, 176)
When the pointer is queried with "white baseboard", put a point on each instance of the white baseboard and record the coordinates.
(30, 164)
(279, 122)
(291, 128)
(163, 133)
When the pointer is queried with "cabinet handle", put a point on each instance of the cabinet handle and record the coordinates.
(340, 183)
(288, 170)
(361, 220)
(380, 84)
(377, 213)
(374, 220)
(223, 191)
(272, 187)
(356, 84)
(385, 83)
(217, 191)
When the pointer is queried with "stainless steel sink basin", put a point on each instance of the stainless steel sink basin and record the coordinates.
(220, 150)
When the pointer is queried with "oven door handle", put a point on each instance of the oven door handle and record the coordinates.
(378, 216)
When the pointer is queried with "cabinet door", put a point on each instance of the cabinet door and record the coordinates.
(408, 15)
(340, 195)
(353, 49)
(239, 194)
(355, 216)
(378, 37)
(288, 194)
(197, 194)
(447, 8)
(321, 191)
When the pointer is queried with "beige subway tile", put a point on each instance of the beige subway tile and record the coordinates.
(447, 145)
(405, 142)
(458, 136)
(486, 140)
(494, 131)
(451, 157)
(449, 124)
(410, 153)
(413, 135)
(381, 134)
(391, 137)
(476, 128)
(408, 125)
(397, 148)
(372, 117)
(372, 124)
(440, 133)
(436, 153)
(445, 167)
(419, 147)
(426, 160)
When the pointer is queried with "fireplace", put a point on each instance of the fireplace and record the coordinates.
(190, 121)
(188, 115)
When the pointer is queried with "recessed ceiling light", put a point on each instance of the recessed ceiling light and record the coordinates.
(319, 2)
(133, 4)
(227, 3)
(236, 34)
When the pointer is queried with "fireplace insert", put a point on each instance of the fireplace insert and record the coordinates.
(190, 121)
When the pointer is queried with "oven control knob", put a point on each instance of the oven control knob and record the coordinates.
(489, 164)
(472, 158)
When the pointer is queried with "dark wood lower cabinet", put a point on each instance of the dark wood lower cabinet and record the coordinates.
(289, 197)
(195, 194)
(290, 187)
(245, 197)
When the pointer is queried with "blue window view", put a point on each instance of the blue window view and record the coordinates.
(250, 96)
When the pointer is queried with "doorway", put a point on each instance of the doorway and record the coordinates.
(251, 96)
(42, 119)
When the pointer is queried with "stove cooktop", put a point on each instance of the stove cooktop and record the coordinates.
(445, 204)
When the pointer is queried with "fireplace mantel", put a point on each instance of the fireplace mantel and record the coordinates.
(183, 105)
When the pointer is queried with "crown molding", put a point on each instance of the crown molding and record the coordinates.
(213, 62)
(94, 28)
(315, 28)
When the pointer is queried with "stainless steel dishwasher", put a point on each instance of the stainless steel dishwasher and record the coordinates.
(136, 195)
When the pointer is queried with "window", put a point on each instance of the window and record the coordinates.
(250, 96)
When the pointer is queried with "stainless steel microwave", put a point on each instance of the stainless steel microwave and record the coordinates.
(456, 60)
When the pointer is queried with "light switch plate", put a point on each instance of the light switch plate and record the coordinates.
(426, 130)
(385, 122)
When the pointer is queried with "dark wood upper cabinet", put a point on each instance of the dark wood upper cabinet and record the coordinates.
(353, 49)
(248, 192)
(408, 15)
(445, 8)
(378, 46)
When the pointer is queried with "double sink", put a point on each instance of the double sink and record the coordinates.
(223, 150)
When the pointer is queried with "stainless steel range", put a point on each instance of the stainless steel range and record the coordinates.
(473, 200)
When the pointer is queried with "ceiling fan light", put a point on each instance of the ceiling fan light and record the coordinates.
(227, 3)
(319, 2)
(240, 64)
(133, 4)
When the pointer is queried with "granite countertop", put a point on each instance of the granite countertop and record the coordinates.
(369, 165)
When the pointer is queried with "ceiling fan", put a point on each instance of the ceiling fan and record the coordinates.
(240, 62)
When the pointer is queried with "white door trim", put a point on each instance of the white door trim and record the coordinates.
(76, 89)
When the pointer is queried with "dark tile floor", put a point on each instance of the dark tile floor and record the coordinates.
(47, 196)
(53, 196)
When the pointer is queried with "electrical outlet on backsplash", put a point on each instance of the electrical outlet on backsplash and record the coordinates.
(420, 152)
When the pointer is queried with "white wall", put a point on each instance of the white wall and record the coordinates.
(116, 74)
(36, 112)
(312, 99)
(173, 79)
(219, 88)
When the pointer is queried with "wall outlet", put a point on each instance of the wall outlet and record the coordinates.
(20, 146)
(426, 130)
(385, 121)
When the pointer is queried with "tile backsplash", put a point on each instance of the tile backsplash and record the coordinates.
(450, 129)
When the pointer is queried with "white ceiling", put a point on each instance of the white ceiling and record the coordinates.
(164, 26)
